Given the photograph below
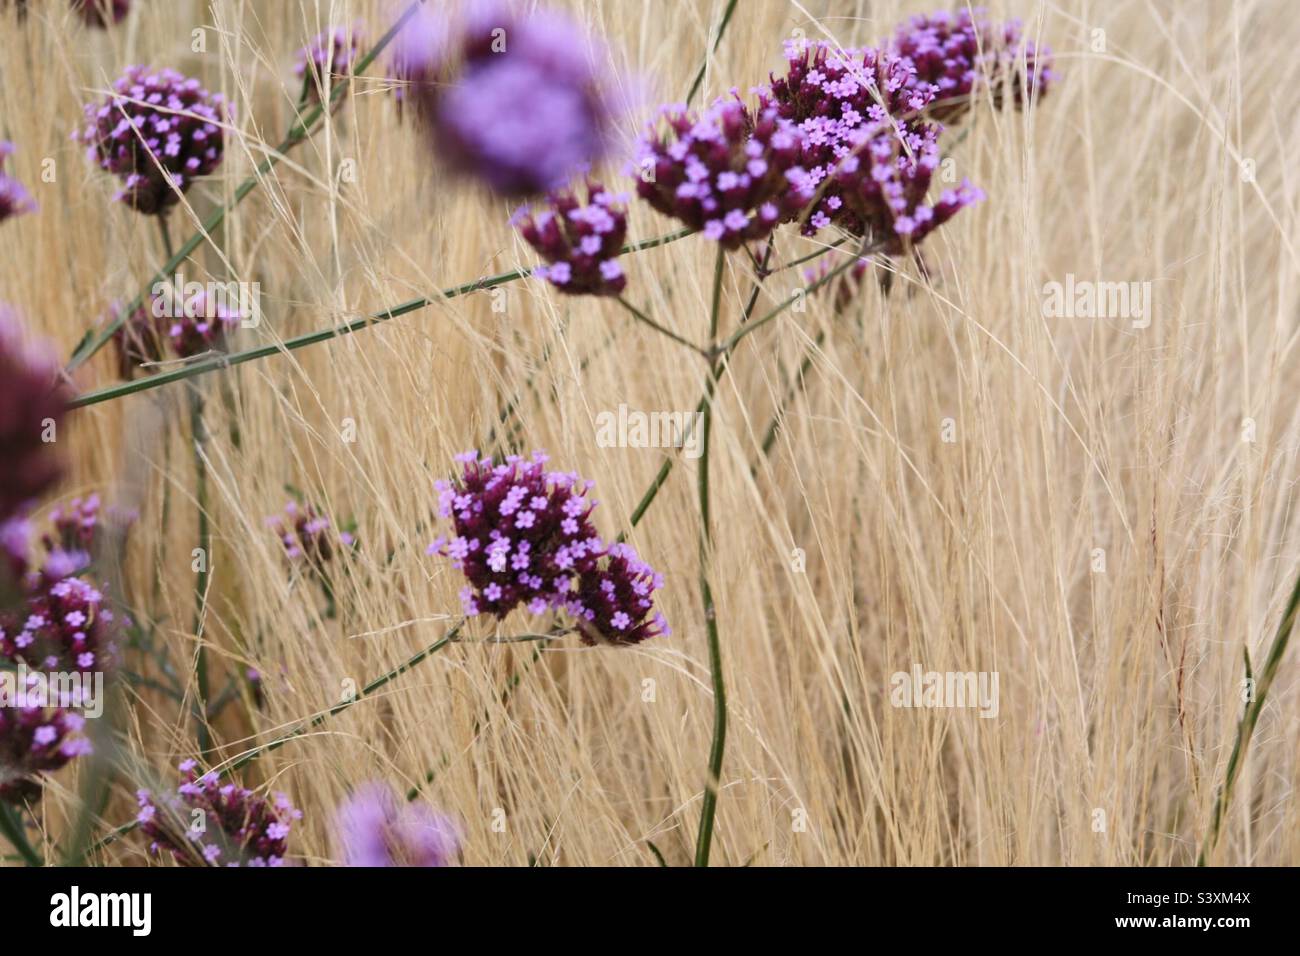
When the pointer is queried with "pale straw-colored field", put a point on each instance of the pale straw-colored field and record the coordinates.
(1099, 510)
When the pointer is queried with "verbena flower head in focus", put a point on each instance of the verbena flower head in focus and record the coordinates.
(327, 60)
(238, 827)
(962, 53)
(102, 13)
(580, 243)
(524, 536)
(614, 602)
(158, 131)
(522, 101)
(15, 200)
(522, 532)
(868, 153)
(33, 403)
(36, 741)
(731, 173)
(376, 828)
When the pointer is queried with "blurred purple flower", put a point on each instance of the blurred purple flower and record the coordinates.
(189, 326)
(307, 535)
(522, 102)
(964, 52)
(157, 132)
(33, 402)
(377, 829)
(417, 55)
(102, 13)
(63, 626)
(581, 243)
(235, 827)
(15, 200)
(328, 59)
(35, 741)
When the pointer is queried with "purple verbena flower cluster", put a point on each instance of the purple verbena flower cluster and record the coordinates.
(524, 536)
(376, 828)
(614, 603)
(308, 535)
(236, 827)
(964, 52)
(32, 406)
(15, 200)
(868, 153)
(521, 101)
(35, 741)
(731, 173)
(328, 58)
(158, 132)
(102, 13)
(63, 627)
(580, 243)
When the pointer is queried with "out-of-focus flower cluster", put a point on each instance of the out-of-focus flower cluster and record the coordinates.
(210, 823)
(524, 536)
(33, 403)
(15, 200)
(580, 243)
(961, 53)
(102, 13)
(158, 131)
(376, 828)
(307, 535)
(36, 741)
(64, 627)
(522, 102)
(328, 59)
(190, 325)
(733, 174)
(52, 622)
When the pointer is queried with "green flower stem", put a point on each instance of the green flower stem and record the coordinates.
(1246, 728)
(717, 41)
(661, 329)
(11, 828)
(324, 335)
(717, 748)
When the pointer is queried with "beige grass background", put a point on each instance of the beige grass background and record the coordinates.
(1119, 689)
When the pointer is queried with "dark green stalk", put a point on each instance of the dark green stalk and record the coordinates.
(220, 362)
(297, 134)
(662, 330)
(795, 385)
(11, 828)
(709, 806)
(1246, 728)
(717, 41)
